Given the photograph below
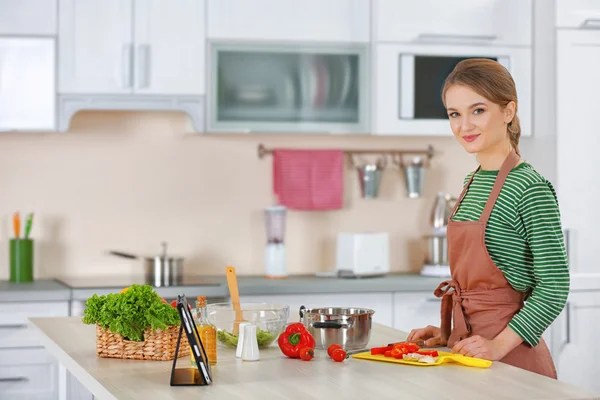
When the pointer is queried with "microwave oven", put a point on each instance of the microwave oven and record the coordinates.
(409, 80)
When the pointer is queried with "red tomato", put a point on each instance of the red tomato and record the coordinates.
(332, 348)
(307, 353)
(174, 304)
(339, 355)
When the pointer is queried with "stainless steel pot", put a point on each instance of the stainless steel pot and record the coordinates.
(160, 270)
(348, 327)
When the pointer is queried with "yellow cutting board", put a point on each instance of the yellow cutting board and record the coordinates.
(443, 357)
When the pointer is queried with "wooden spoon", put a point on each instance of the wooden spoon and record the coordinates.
(235, 298)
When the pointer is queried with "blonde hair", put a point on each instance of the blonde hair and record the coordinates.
(489, 79)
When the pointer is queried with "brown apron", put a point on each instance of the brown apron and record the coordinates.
(481, 301)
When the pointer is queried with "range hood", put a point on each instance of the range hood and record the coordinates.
(70, 104)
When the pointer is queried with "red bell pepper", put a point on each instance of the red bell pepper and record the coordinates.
(295, 338)
(432, 353)
(380, 350)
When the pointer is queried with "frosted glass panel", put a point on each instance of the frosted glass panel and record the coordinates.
(287, 87)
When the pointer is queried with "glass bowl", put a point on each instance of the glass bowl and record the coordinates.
(270, 321)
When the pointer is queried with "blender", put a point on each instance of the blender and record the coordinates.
(275, 249)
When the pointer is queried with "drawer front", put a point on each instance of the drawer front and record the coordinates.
(16, 330)
(28, 374)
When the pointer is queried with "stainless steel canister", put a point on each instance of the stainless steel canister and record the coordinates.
(348, 327)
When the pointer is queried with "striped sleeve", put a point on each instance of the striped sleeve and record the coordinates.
(540, 215)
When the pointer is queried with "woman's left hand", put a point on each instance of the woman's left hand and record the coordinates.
(479, 347)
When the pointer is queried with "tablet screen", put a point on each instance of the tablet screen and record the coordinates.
(190, 376)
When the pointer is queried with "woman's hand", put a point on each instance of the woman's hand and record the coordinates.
(479, 347)
(493, 350)
(430, 334)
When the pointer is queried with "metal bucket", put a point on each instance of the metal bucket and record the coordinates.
(346, 326)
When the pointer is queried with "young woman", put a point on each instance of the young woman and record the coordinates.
(505, 237)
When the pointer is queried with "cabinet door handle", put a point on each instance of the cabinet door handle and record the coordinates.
(442, 36)
(126, 65)
(13, 326)
(143, 58)
(434, 299)
(568, 316)
(567, 234)
(15, 379)
(568, 327)
(591, 23)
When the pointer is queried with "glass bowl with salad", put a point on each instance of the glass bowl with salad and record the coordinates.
(270, 321)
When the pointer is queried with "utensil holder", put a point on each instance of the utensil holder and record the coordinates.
(414, 175)
(369, 176)
(21, 260)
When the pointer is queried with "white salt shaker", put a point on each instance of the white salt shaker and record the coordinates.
(240, 344)
(250, 347)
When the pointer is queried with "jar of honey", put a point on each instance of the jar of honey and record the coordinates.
(207, 332)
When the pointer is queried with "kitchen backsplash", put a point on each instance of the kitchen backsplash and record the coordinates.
(128, 181)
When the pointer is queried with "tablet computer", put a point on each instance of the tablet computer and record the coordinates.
(201, 375)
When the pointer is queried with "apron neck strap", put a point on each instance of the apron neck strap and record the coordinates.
(509, 163)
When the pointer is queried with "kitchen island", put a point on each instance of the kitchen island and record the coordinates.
(276, 377)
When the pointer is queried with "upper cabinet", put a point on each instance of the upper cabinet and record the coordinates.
(502, 22)
(578, 14)
(28, 17)
(170, 46)
(289, 20)
(131, 46)
(265, 87)
(95, 46)
(27, 84)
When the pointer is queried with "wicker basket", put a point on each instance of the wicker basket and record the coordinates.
(158, 345)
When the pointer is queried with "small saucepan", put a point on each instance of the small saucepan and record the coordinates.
(348, 327)
(160, 270)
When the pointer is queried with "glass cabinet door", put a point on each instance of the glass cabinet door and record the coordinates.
(288, 89)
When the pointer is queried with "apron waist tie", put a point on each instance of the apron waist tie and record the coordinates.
(452, 308)
(450, 293)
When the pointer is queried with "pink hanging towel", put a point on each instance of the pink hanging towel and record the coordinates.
(309, 179)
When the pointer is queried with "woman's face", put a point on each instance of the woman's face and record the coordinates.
(478, 124)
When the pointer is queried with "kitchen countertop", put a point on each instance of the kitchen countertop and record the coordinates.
(80, 289)
(216, 286)
(40, 290)
(276, 376)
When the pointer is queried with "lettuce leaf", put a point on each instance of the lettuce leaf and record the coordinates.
(131, 312)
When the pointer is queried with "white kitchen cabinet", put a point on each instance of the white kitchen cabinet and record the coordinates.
(414, 310)
(502, 22)
(289, 20)
(28, 17)
(27, 84)
(16, 330)
(381, 303)
(578, 14)
(30, 374)
(95, 46)
(578, 357)
(170, 46)
(578, 85)
(131, 47)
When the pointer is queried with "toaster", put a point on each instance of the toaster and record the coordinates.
(362, 254)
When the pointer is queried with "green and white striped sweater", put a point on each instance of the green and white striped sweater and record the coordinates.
(525, 240)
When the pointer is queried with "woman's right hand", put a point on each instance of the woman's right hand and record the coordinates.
(431, 335)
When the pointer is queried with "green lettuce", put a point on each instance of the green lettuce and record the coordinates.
(129, 313)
